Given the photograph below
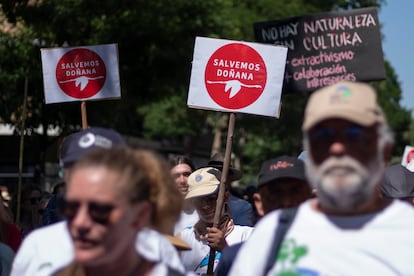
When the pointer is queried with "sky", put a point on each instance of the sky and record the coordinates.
(397, 19)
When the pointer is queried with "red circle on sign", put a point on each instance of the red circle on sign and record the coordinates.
(80, 73)
(235, 76)
(410, 156)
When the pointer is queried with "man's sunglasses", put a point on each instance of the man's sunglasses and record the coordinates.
(353, 134)
(98, 212)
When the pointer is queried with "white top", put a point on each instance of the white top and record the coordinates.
(186, 220)
(375, 244)
(196, 259)
(48, 249)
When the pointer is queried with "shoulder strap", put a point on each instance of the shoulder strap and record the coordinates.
(286, 218)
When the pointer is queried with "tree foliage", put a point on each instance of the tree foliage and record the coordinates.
(155, 41)
(399, 118)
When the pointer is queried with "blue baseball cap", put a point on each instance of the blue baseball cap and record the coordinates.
(78, 144)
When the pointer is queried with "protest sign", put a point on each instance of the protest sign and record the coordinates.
(407, 156)
(80, 73)
(234, 76)
(328, 47)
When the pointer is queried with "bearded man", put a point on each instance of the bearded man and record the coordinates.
(348, 229)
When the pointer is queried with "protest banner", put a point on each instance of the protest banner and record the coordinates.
(328, 47)
(233, 76)
(80, 74)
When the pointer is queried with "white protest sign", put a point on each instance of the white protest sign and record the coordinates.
(407, 156)
(235, 76)
(80, 73)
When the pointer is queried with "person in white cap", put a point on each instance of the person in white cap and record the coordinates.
(203, 192)
(349, 228)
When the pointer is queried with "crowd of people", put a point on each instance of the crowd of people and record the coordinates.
(336, 209)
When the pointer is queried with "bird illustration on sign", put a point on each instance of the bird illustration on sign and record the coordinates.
(82, 81)
(234, 86)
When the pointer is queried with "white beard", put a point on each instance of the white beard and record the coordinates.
(343, 183)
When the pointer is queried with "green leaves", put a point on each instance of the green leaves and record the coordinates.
(155, 40)
(169, 117)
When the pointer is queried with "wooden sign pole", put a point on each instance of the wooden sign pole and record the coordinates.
(222, 188)
(21, 150)
(84, 115)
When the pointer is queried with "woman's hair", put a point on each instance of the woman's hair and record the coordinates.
(148, 179)
(165, 197)
(181, 159)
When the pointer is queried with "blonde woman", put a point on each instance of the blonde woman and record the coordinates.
(48, 249)
(111, 196)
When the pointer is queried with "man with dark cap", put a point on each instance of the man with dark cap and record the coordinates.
(48, 249)
(281, 184)
(240, 210)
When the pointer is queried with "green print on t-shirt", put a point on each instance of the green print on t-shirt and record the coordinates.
(288, 256)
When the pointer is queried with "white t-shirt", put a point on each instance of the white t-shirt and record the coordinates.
(316, 244)
(48, 249)
(186, 220)
(196, 259)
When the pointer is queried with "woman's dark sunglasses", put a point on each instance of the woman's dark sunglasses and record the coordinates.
(98, 212)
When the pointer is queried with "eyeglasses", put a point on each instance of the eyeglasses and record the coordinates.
(353, 134)
(98, 212)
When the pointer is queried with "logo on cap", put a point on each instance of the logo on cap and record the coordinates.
(198, 178)
(90, 139)
(280, 165)
(340, 94)
(87, 140)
